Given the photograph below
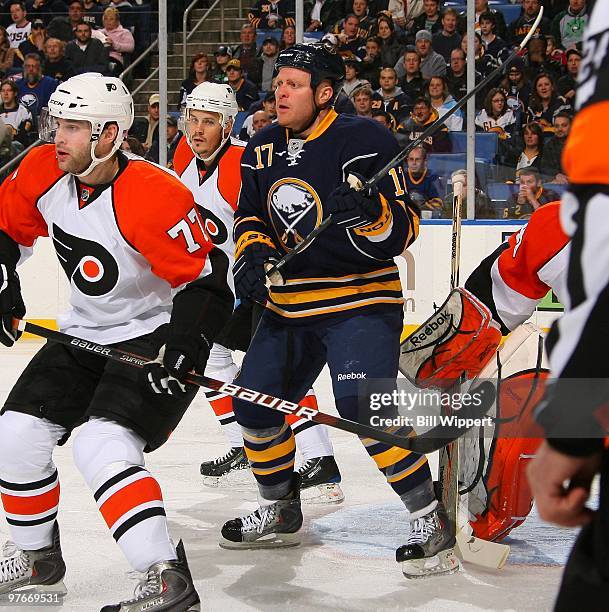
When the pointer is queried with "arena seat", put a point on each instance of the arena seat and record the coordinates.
(486, 144)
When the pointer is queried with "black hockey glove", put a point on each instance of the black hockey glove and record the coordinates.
(176, 358)
(11, 304)
(351, 208)
(248, 271)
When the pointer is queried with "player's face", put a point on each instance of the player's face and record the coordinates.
(294, 97)
(73, 145)
(205, 131)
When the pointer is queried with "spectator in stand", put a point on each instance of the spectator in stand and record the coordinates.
(537, 61)
(268, 105)
(55, 64)
(222, 55)
(551, 158)
(132, 145)
(76, 13)
(483, 7)
(321, 15)
(532, 149)
(390, 98)
(173, 139)
(247, 53)
(555, 56)
(568, 26)
(409, 68)
(432, 63)
(493, 45)
(260, 119)
(34, 43)
(86, 54)
(119, 41)
(517, 89)
(352, 81)
(422, 186)
(269, 14)
(519, 29)
(392, 47)
(531, 195)
(270, 51)
(146, 129)
(545, 103)
(21, 28)
(422, 116)
(16, 115)
(45, 9)
(442, 101)
(384, 118)
(362, 100)
(447, 39)
(485, 64)
(349, 41)
(497, 117)
(456, 76)
(288, 37)
(482, 203)
(245, 91)
(93, 13)
(199, 72)
(370, 67)
(366, 23)
(35, 89)
(7, 53)
(567, 84)
(430, 19)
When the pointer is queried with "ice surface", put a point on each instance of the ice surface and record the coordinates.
(346, 561)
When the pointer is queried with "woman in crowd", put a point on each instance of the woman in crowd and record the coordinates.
(199, 72)
(496, 116)
(545, 102)
(530, 154)
(7, 53)
(392, 48)
(119, 40)
(442, 101)
(517, 88)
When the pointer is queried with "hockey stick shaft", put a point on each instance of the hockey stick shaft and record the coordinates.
(403, 154)
(430, 442)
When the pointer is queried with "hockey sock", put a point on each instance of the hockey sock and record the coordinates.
(220, 366)
(312, 439)
(111, 459)
(29, 484)
(271, 454)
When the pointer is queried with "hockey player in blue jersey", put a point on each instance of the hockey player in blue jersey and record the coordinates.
(341, 301)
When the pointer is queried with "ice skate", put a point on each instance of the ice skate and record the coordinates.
(33, 570)
(320, 478)
(272, 526)
(230, 470)
(430, 549)
(167, 587)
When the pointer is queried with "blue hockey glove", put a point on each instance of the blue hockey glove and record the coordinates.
(351, 207)
(249, 274)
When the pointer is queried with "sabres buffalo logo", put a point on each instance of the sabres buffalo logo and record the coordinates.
(87, 264)
(294, 209)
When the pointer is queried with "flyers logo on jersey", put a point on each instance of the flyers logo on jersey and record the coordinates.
(295, 210)
(87, 264)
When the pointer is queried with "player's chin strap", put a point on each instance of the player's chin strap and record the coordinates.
(95, 161)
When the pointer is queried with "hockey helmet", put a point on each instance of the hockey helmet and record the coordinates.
(91, 97)
(320, 60)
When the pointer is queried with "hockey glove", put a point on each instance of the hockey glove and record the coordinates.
(11, 304)
(176, 358)
(248, 271)
(351, 207)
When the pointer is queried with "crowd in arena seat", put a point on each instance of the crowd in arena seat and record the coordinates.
(405, 66)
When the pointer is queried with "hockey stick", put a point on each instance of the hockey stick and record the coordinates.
(429, 442)
(403, 154)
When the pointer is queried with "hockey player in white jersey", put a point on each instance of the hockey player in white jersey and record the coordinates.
(143, 276)
(208, 161)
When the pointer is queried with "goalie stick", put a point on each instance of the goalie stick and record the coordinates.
(431, 441)
(274, 272)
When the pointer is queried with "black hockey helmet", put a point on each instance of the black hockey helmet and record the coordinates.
(320, 60)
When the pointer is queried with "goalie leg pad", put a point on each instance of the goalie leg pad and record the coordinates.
(456, 341)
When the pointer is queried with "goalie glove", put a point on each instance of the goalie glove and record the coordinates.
(456, 341)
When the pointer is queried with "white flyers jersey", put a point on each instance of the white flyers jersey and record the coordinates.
(126, 247)
(216, 190)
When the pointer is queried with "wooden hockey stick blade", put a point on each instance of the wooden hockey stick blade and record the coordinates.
(481, 552)
(426, 443)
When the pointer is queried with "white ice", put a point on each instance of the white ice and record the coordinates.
(345, 562)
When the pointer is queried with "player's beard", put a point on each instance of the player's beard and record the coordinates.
(77, 162)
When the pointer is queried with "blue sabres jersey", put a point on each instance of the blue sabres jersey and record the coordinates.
(285, 182)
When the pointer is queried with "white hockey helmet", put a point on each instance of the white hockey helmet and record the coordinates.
(213, 98)
(94, 98)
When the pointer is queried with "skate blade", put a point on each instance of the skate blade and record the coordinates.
(239, 480)
(59, 588)
(327, 493)
(278, 540)
(445, 562)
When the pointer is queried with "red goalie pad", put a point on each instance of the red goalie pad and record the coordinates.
(458, 339)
